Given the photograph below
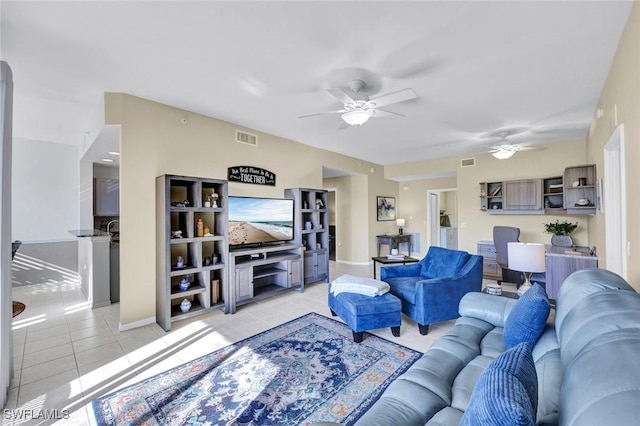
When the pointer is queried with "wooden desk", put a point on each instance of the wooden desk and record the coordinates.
(562, 262)
(390, 239)
(386, 261)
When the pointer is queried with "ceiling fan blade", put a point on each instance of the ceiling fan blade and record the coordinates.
(337, 111)
(530, 148)
(341, 95)
(394, 98)
(382, 113)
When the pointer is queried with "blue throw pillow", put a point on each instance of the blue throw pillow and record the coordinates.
(506, 392)
(527, 319)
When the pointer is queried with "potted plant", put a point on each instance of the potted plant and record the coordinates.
(561, 232)
(207, 200)
(394, 249)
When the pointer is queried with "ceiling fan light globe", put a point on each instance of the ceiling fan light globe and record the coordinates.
(357, 117)
(503, 154)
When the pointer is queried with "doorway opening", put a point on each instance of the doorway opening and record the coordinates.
(442, 217)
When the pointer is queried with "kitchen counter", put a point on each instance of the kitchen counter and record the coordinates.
(93, 265)
(82, 233)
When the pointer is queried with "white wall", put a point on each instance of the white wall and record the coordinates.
(45, 190)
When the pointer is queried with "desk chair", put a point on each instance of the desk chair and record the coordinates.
(501, 236)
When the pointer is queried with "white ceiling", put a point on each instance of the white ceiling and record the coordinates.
(476, 66)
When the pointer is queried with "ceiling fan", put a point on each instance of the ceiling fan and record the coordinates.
(503, 149)
(358, 108)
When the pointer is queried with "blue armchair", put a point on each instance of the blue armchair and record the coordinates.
(430, 290)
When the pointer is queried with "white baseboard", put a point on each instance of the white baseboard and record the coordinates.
(136, 324)
(348, 262)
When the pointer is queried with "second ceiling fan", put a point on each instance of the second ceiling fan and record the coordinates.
(358, 109)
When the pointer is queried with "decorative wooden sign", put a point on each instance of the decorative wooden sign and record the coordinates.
(249, 174)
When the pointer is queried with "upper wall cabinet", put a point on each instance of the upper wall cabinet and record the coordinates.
(573, 193)
(553, 195)
(580, 189)
(512, 197)
(523, 194)
(106, 197)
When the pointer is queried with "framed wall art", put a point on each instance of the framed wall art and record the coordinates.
(386, 207)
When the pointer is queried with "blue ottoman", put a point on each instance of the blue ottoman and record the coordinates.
(362, 313)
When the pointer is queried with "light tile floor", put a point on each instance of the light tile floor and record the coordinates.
(66, 354)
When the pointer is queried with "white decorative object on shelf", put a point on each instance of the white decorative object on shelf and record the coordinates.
(185, 305)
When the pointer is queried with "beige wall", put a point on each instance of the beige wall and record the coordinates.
(352, 218)
(413, 199)
(621, 96)
(154, 142)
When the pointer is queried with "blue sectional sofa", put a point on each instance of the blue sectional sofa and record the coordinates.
(587, 360)
(431, 289)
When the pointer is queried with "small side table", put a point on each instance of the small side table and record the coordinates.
(386, 261)
(390, 239)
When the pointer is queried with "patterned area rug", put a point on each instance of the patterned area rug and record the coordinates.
(297, 373)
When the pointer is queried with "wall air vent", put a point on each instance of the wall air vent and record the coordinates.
(248, 138)
(468, 162)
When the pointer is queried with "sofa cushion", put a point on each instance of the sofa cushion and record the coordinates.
(404, 288)
(506, 392)
(441, 262)
(527, 319)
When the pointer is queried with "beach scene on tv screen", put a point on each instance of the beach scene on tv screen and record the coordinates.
(259, 220)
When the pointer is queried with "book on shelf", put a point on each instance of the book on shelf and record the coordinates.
(395, 256)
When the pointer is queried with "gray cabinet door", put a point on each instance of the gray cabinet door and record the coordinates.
(309, 267)
(244, 283)
(322, 262)
(295, 272)
(522, 194)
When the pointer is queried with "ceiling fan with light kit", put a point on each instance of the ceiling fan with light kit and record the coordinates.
(358, 109)
(502, 148)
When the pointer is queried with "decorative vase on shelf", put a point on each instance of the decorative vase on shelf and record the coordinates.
(207, 203)
(185, 305)
(184, 285)
(394, 252)
(561, 241)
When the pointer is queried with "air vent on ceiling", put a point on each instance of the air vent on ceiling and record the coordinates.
(248, 138)
(468, 162)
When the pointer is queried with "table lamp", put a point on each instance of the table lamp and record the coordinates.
(400, 224)
(527, 258)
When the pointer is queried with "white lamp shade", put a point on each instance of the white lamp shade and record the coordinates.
(400, 222)
(526, 257)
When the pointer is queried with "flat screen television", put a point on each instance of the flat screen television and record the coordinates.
(259, 221)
